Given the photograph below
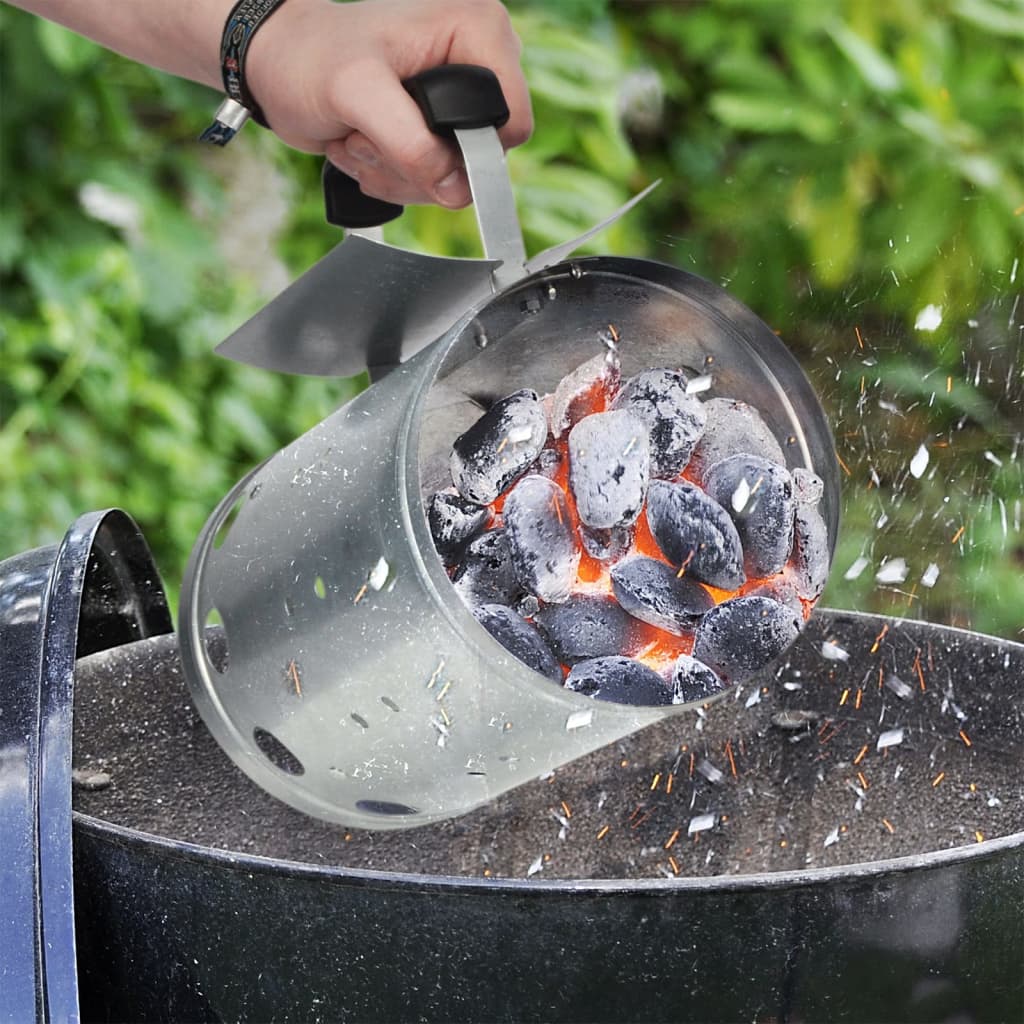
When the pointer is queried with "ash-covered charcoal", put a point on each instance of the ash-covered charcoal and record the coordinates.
(808, 487)
(782, 589)
(587, 626)
(608, 468)
(485, 574)
(619, 680)
(653, 592)
(607, 545)
(758, 495)
(732, 428)
(453, 523)
(695, 532)
(548, 463)
(674, 419)
(583, 391)
(499, 447)
(739, 637)
(693, 680)
(519, 638)
(544, 550)
(811, 558)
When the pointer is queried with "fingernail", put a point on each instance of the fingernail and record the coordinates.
(366, 154)
(451, 190)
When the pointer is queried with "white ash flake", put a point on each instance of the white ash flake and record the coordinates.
(893, 570)
(833, 652)
(858, 566)
(699, 384)
(889, 738)
(929, 318)
(579, 720)
(930, 575)
(710, 772)
(520, 433)
(919, 463)
(900, 688)
(741, 495)
(832, 837)
(700, 824)
(993, 458)
(378, 574)
(537, 865)
(754, 698)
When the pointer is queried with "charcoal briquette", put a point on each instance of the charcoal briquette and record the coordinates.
(485, 574)
(609, 545)
(543, 547)
(608, 468)
(733, 427)
(582, 392)
(653, 592)
(693, 680)
(808, 487)
(739, 637)
(587, 626)
(758, 495)
(674, 419)
(519, 638)
(782, 589)
(548, 462)
(812, 558)
(499, 447)
(453, 523)
(620, 680)
(694, 531)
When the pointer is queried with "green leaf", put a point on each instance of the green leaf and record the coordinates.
(66, 50)
(874, 68)
(772, 115)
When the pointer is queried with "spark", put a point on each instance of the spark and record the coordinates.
(444, 689)
(686, 562)
(864, 784)
(604, 831)
(845, 467)
(732, 760)
(360, 593)
(938, 778)
(919, 670)
(501, 447)
(675, 866)
(860, 340)
(949, 385)
(566, 808)
(859, 698)
(888, 824)
(655, 780)
(846, 693)
(437, 672)
(879, 639)
(293, 672)
(558, 509)
(979, 837)
(629, 447)
(966, 739)
(956, 536)
(861, 754)
(671, 840)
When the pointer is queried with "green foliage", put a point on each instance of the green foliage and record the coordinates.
(836, 165)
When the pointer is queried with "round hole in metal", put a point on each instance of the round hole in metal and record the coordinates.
(389, 703)
(360, 721)
(215, 641)
(289, 608)
(384, 807)
(277, 753)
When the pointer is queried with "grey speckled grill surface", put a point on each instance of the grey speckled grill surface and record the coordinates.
(783, 795)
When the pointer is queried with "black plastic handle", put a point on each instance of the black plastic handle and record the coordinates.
(451, 96)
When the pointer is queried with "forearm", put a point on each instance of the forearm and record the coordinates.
(179, 36)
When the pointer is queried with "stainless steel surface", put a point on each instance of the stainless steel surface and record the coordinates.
(494, 203)
(346, 641)
(365, 304)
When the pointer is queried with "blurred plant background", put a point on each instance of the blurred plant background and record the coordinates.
(854, 172)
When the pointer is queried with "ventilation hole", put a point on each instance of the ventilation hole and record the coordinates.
(215, 640)
(255, 490)
(226, 523)
(289, 608)
(277, 753)
(384, 807)
(359, 720)
(319, 587)
(389, 703)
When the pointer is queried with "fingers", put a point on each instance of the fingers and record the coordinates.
(393, 151)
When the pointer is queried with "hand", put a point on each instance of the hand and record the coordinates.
(328, 78)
